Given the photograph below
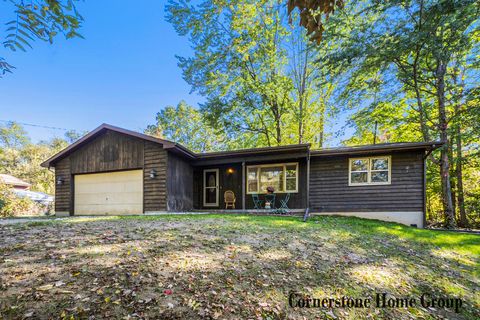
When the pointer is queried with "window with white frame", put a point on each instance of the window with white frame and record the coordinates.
(282, 177)
(370, 171)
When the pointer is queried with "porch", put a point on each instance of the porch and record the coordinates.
(248, 177)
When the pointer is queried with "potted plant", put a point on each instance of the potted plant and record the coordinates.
(268, 203)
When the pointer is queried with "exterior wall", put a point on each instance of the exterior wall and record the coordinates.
(233, 181)
(330, 192)
(109, 152)
(63, 192)
(227, 181)
(179, 184)
(155, 190)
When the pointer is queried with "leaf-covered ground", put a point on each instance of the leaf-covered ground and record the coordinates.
(229, 266)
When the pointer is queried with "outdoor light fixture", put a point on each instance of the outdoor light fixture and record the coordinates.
(59, 181)
(230, 170)
(153, 173)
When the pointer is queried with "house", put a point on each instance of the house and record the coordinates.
(116, 171)
(14, 182)
(21, 189)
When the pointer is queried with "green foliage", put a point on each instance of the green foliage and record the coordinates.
(412, 68)
(39, 20)
(256, 71)
(11, 205)
(22, 158)
(186, 125)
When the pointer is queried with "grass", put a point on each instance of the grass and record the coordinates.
(230, 266)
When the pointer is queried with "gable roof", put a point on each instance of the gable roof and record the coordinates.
(185, 152)
(13, 181)
(102, 128)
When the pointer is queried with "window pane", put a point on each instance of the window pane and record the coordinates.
(271, 177)
(291, 184)
(380, 176)
(380, 164)
(252, 174)
(252, 186)
(291, 171)
(359, 177)
(360, 165)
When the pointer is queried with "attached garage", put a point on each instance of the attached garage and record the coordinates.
(113, 171)
(112, 193)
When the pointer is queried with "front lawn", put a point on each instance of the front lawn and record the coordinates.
(231, 266)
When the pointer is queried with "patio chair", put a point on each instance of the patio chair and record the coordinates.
(284, 204)
(230, 199)
(256, 201)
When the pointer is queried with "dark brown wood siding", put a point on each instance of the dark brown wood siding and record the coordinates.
(110, 151)
(330, 192)
(179, 184)
(64, 191)
(227, 181)
(155, 190)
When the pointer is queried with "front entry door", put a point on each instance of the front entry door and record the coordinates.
(210, 188)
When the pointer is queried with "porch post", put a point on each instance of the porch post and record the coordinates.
(243, 185)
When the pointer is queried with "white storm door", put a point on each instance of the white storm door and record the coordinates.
(210, 188)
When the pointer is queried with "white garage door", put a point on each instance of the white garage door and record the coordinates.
(109, 193)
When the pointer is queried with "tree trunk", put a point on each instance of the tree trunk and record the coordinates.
(444, 160)
(462, 221)
(302, 97)
(421, 111)
(459, 170)
(453, 176)
(278, 123)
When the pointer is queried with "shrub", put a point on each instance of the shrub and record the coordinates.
(11, 205)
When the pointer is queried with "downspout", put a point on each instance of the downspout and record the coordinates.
(425, 192)
(305, 217)
(243, 185)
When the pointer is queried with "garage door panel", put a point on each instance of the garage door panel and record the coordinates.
(116, 209)
(109, 193)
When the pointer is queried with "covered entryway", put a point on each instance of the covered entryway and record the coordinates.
(111, 193)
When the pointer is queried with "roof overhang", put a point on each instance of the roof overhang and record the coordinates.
(253, 155)
(377, 148)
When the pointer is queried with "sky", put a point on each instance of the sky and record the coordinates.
(122, 73)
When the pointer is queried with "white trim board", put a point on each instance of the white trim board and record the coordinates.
(404, 217)
(217, 186)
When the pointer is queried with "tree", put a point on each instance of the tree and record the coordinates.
(12, 139)
(72, 135)
(408, 49)
(39, 20)
(255, 70)
(186, 125)
(22, 158)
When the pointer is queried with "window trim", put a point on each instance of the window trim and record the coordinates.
(284, 165)
(369, 171)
